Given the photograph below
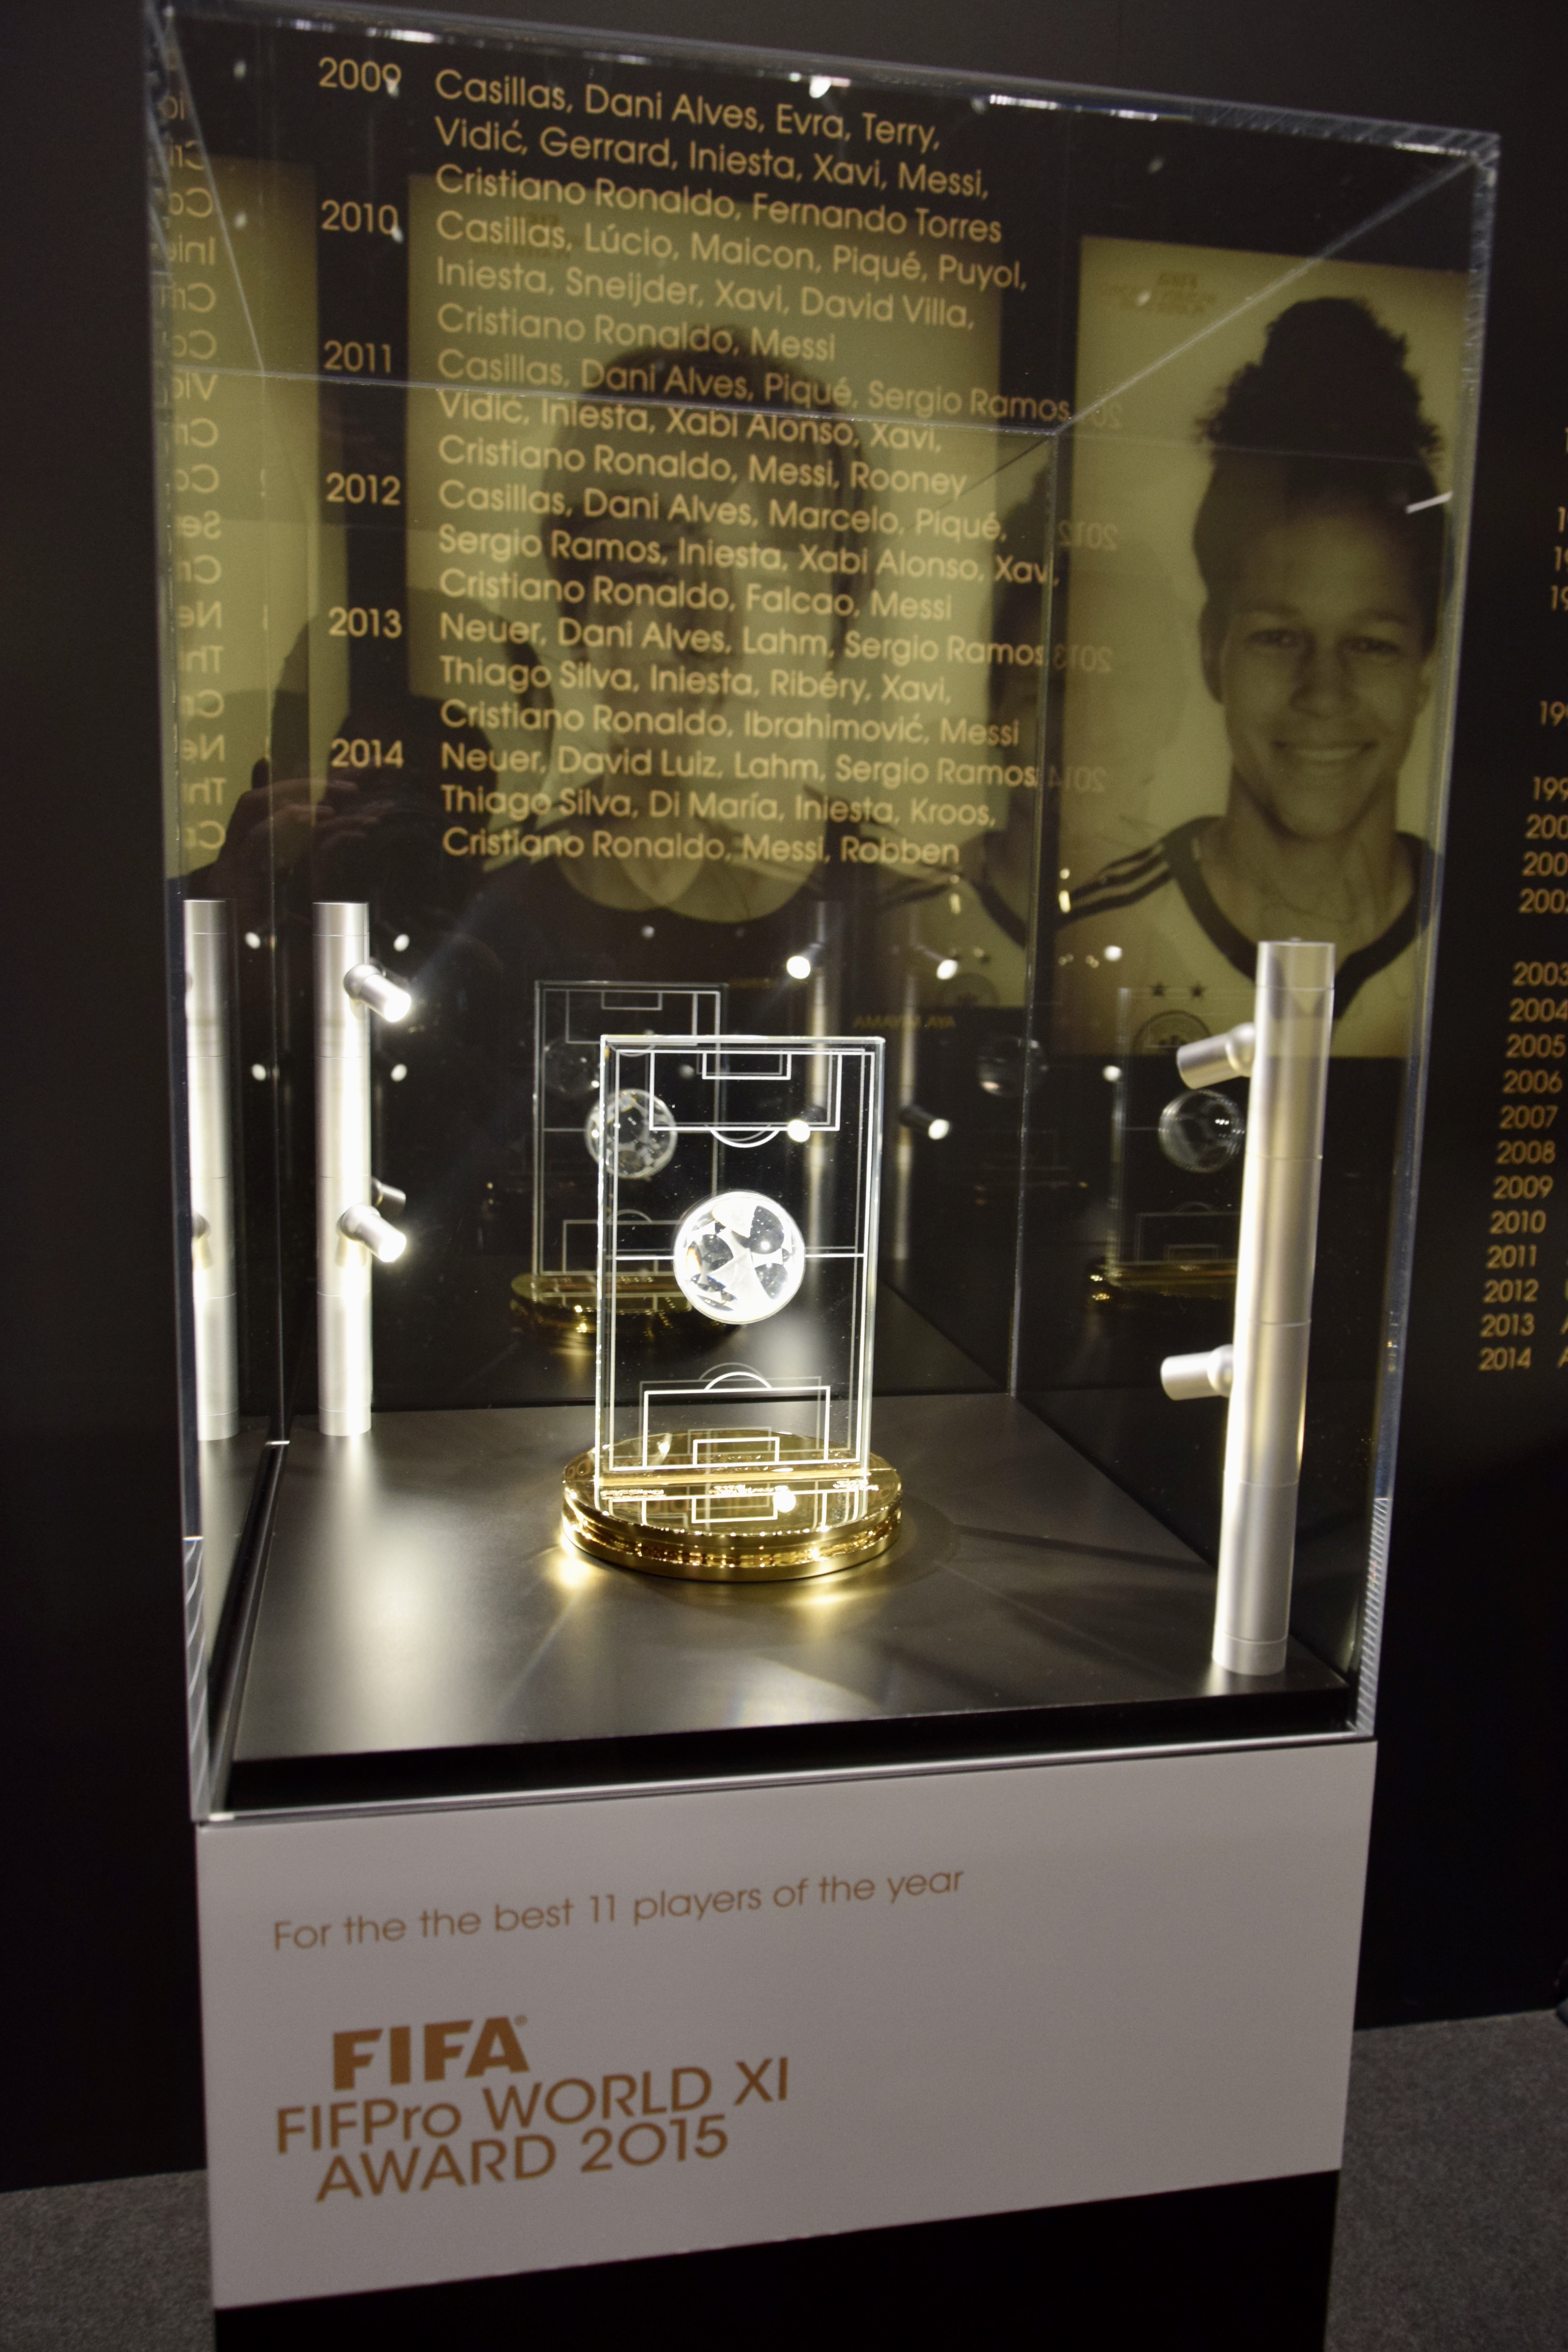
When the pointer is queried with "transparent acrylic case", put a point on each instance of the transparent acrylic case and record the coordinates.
(931, 613)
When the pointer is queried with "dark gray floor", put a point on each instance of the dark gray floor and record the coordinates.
(1453, 2218)
(1453, 2227)
(107, 2267)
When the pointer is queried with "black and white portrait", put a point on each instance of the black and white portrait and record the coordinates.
(1255, 592)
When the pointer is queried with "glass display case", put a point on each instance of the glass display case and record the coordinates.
(764, 661)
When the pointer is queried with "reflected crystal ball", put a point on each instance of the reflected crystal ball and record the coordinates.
(740, 1258)
(1202, 1132)
(1009, 1069)
(572, 1068)
(644, 1130)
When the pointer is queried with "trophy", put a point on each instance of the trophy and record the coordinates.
(744, 1172)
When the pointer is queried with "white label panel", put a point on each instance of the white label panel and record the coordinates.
(444, 2044)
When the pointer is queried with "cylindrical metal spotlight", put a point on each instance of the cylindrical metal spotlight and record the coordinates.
(929, 1123)
(1285, 1049)
(213, 1284)
(944, 965)
(1209, 1061)
(350, 1234)
(369, 985)
(369, 1226)
(1205, 1375)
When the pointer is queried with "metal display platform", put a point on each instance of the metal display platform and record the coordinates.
(423, 1628)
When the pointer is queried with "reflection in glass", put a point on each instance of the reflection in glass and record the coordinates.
(643, 1134)
(1201, 1132)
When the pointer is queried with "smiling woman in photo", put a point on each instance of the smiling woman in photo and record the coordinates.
(1321, 543)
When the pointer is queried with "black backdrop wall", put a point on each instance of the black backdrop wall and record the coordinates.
(1468, 1908)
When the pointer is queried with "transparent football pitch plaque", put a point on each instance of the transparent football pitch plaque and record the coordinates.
(742, 1451)
(571, 1018)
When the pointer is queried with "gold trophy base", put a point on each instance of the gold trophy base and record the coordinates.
(565, 1306)
(1131, 1279)
(751, 1518)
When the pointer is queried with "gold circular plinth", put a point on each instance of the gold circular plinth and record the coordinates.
(753, 1521)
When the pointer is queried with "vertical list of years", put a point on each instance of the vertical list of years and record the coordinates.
(1524, 1313)
(201, 347)
(362, 276)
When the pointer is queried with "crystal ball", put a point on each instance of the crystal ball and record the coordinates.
(1202, 1132)
(739, 1257)
(644, 1131)
(572, 1068)
(1010, 1068)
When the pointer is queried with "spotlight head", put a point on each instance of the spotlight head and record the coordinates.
(370, 986)
(798, 1130)
(367, 1225)
(920, 1121)
(798, 966)
(949, 967)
